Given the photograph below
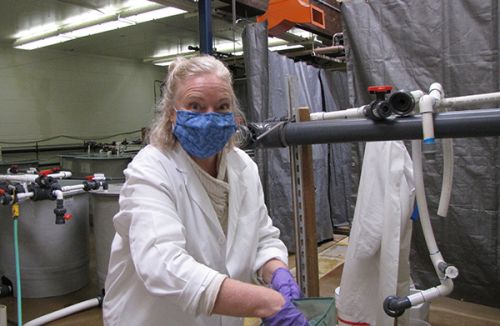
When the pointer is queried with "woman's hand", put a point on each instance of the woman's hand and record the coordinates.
(288, 315)
(283, 282)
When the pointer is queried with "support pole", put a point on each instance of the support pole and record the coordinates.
(306, 254)
(205, 26)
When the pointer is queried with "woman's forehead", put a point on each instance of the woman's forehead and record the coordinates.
(202, 85)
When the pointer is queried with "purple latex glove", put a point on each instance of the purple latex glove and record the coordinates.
(283, 282)
(289, 315)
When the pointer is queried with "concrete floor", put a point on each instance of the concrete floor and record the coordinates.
(443, 312)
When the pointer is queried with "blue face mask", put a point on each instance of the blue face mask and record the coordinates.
(203, 134)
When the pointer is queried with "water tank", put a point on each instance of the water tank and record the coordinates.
(83, 165)
(104, 207)
(54, 257)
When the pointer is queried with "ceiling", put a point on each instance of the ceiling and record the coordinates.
(139, 42)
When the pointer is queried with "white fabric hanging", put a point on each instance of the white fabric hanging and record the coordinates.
(377, 258)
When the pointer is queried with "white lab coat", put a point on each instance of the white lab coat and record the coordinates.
(377, 259)
(169, 244)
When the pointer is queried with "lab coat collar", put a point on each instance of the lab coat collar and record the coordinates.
(237, 190)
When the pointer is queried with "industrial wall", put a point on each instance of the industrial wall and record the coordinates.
(48, 93)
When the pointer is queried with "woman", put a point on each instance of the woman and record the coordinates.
(193, 233)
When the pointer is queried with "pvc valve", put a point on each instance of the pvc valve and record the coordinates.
(379, 89)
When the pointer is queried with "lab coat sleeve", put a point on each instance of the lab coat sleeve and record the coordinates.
(269, 245)
(156, 235)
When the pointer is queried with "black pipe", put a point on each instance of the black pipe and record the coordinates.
(456, 124)
(395, 306)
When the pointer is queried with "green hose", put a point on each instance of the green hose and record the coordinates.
(18, 274)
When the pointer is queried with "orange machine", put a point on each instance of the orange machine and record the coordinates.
(281, 15)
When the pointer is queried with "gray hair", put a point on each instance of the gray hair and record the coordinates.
(161, 134)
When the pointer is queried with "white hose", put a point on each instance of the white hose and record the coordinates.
(341, 114)
(64, 312)
(446, 283)
(470, 101)
(416, 149)
(444, 200)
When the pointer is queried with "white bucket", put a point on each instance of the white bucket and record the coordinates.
(3, 315)
(418, 322)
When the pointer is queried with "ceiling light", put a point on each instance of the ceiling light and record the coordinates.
(137, 11)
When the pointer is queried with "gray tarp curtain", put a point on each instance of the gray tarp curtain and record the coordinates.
(410, 44)
(267, 78)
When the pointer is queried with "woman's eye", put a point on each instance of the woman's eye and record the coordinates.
(194, 106)
(224, 107)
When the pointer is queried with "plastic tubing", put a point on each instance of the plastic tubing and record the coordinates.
(423, 211)
(18, 274)
(437, 259)
(341, 114)
(58, 314)
(444, 200)
(470, 100)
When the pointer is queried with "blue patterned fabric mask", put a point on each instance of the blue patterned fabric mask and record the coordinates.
(203, 134)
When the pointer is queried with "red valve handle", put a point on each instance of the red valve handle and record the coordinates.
(380, 89)
(49, 171)
(68, 216)
(89, 177)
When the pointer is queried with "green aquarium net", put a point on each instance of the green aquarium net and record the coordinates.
(318, 311)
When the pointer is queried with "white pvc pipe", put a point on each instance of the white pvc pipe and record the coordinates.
(423, 211)
(61, 175)
(63, 312)
(59, 194)
(445, 288)
(25, 195)
(19, 177)
(425, 105)
(437, 93)
(446, 283)
(341, 114)
(444, 200)
(32, 177)
(470, 101)
(72, 188)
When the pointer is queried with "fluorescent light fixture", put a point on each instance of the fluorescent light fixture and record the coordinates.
(285, 47)
(156, 14)
(43, 42)
(135, 12)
